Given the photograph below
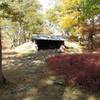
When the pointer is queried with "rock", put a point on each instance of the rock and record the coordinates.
(26, 48)
(61, 82)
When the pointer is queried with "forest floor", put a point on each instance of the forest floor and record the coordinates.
(31, 79)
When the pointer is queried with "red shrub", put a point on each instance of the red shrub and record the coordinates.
(82, 69)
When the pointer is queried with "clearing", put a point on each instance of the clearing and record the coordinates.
(32, 80)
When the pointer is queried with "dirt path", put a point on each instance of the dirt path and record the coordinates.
(31, 78)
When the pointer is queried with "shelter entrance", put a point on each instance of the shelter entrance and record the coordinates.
(48, 44)
(49, 41)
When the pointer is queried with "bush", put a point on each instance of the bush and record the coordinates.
(80, 69)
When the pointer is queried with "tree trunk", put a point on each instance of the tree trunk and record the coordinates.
(2, 78)
(90, 37)
(90, 41)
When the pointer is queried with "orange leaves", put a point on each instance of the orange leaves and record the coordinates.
(89, 29)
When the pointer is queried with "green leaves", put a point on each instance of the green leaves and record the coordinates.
(23, 18)
(89, 8)
(22, 11)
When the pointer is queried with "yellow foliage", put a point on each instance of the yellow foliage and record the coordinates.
(70, 13)
(69, 20)
(70, 3)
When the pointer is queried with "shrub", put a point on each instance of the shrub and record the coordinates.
(80, 69)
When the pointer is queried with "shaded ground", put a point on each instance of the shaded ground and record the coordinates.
(32, 80)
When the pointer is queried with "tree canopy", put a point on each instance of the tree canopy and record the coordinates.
(74, 12)
(77, 15)
(23, 14)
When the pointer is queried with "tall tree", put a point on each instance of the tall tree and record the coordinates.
(75, 13)
(2, 78)
(25, 13)
(89, 10)
(16, 11)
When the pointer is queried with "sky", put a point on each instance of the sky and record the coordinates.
(46, 4)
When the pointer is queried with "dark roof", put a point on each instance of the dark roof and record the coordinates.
(49, 37)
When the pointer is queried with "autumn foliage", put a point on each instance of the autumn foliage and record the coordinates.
(78, 69)
(89, 29)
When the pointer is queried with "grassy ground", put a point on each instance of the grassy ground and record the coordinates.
(32, 80)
